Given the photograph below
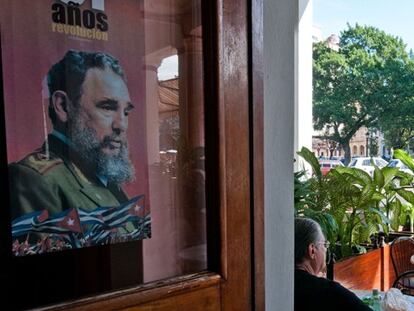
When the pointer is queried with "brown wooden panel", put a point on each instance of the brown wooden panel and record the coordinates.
(199, 289)
(386, 279)
(389, 276)
(367, 271)
(360, 272)
(205, 299)
(234, 161)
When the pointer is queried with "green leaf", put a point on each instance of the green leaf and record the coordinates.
(404, 178)
(360, 249)
(357, 173)
(346, 250)
(327, 222)
(382, 217)
(362, 232)
(379, 178)
(396, 215)
(389, 174)
(309, 157)
(405, 158)
(376, 196)
(406, 195)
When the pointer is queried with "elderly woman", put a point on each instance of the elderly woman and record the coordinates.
(313, 292)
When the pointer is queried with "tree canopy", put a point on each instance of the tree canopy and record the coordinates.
(368, 82)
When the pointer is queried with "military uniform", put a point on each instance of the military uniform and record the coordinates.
(56, 183)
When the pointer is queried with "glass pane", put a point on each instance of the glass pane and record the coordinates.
(175, 117)
(104, 115)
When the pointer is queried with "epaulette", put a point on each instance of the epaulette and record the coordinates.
(40, 162)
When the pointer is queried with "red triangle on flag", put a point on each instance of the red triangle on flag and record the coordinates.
(137, 209)
(43, 216)
(71, 221)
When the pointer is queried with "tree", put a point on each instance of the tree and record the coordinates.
(398, 124)
(398, 132)
(361, 84)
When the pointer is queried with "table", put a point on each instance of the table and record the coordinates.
(363, 293)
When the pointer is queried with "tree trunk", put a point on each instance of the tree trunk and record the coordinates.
(347, 151)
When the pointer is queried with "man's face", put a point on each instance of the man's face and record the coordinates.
(104, 108)
(98, 126)
(320, 253)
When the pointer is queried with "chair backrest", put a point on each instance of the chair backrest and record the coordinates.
(402, 249)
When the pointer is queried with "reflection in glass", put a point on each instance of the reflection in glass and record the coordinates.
(175, 134)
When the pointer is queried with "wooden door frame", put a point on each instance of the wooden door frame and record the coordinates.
(233, 47)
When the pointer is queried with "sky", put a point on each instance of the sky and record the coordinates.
(168, 68)
(395, 17)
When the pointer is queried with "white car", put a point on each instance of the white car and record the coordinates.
(398, 163)
(364, 163)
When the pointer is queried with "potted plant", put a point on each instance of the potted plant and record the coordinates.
(351, 205)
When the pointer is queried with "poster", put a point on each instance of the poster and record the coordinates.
(74, 109)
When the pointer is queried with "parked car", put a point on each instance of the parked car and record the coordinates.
(398, 163)
(365, 164)
(327, 165)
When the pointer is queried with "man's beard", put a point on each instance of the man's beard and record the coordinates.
(116, 168)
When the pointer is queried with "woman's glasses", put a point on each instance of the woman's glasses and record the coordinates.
(326, 244)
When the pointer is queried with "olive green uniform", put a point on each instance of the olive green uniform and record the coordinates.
(55, 183)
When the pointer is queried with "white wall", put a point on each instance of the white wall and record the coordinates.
(280, 23)
(303, 85)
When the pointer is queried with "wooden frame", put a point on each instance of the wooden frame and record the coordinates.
(205, 283)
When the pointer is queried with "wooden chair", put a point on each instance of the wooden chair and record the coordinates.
(402, 249)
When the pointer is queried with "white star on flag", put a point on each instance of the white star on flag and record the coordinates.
(137, 207)
(71, 222)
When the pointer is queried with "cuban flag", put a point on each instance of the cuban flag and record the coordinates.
(94, 217)
(71, 221)
(104, 221)
(130, 211)
(138, 209)
(105, 218)
(95, 238)
(61, 223)
(38, 216)
(76, 227)
(23, 224)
